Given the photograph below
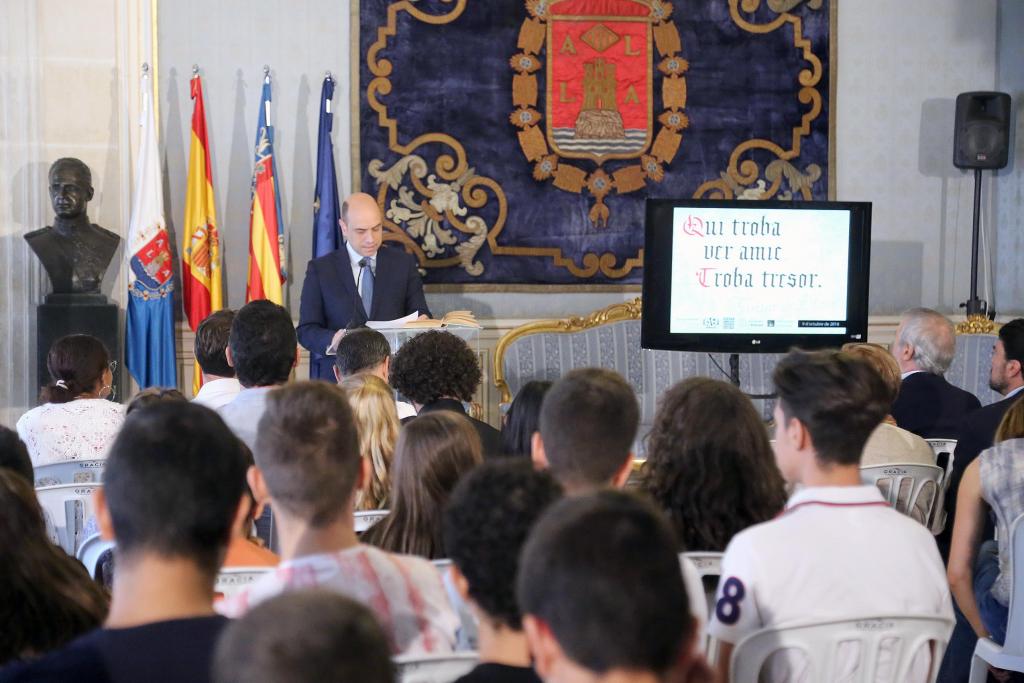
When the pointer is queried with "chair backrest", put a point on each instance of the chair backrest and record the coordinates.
(707, 563)
(91, 551)
(940, 446)
(68, 507)
(823, 644)
(903, 484)
(1014, 642)
(231, 580)
(70, 472)
(434, 668)
(367, 518)
(944, 450)
(709, 566)
(469, 630)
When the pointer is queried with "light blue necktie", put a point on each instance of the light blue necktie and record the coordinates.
(366, 284)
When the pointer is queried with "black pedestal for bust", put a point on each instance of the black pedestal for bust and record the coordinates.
(64, 314)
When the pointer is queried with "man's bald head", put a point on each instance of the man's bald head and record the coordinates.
(362, 223)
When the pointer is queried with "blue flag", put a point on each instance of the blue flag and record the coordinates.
(149, 329)
(326, 209)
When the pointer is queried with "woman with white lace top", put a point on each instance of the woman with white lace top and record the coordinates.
(76, 421)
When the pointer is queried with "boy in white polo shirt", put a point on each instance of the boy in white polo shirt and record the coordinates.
(837, 551)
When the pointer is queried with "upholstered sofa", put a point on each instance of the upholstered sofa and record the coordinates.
(610, 338)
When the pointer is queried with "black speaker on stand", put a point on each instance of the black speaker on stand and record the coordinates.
(981, 140)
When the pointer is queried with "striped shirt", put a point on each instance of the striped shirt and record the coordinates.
(405, 592)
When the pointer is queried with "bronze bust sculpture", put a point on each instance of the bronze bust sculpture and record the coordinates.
(74, 252)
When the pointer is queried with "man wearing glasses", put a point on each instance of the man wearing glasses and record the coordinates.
(361, 282)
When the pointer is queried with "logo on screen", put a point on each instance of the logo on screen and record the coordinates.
(771, 323)
(710, 322)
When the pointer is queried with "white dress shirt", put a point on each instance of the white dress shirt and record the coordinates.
(217, 392)
(835, 552)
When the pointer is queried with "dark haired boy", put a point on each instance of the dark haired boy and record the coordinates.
(262, 349)
(838, 551)
(210, 348)
(367, 351)
(173, 488)
(487, 521)
(309, 466)
(602, 597)
(588, 422)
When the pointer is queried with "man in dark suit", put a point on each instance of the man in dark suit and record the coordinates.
(927, 404)
(979, 427)
(357, 283)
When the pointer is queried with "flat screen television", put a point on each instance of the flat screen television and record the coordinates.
(755, 276)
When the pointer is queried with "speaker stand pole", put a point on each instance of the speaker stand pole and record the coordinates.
(975, 306)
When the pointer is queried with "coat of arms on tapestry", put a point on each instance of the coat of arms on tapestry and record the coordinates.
(513, 142)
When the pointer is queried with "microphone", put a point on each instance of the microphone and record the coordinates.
(358, 319)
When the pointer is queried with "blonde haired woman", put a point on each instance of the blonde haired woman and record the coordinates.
(373, 402)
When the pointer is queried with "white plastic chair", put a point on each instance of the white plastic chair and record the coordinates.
(708, 564)
(940, 447)
(68, 507)
(367, 518)
(468, 633)
(434, 668)
(90, 552)
(232, 580)
(909, 482)
(1011, 655)
(70, 472)
(820, 644)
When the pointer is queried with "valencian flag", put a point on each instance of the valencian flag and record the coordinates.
(266, 229)
(149, 333)
(325, 202)
(201, 262)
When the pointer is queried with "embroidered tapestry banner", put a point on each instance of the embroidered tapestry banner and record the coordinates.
(513, 142)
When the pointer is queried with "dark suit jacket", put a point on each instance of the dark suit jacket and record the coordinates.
(931, 407)
(490, 437)
(330, 300)
(976, 434)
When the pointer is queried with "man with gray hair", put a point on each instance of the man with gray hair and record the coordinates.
(927, 404)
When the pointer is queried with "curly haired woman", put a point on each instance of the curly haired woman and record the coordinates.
(710, 464)
(437, 370)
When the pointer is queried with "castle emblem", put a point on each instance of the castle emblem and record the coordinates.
(599, 94)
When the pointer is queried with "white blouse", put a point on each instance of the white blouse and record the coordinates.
(82, 429)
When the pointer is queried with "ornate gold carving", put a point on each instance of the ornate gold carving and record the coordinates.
(627, 310)
(738, 177)
(424, 218)
(977, 324)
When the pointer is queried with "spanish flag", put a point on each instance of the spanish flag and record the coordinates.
(266, 229)
(201, 262)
